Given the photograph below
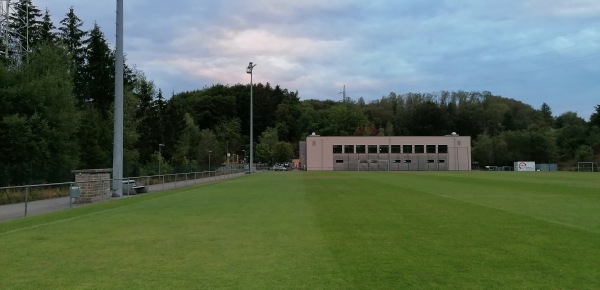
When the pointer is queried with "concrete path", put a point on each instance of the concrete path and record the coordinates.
(38, 207)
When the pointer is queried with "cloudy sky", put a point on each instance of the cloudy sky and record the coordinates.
(534, 51)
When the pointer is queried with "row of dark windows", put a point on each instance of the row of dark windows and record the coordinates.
(358, 149)
(394, 161)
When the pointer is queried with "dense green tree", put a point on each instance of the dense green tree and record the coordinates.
(268, 141)
(131, 155)
(47, 34)
(593, 140)
(491, 150)
(186, 145)
(39, 117)
(95, 138)
(584, 153)
(71, 36)
(429, 120)
(595, 117)
(149, 116)
(284, 152)
(209, 149)
(287, 116)
(546, 115)
(229, 134)
(469, 119)
(344, 119)
(571, 133)
(99, 71)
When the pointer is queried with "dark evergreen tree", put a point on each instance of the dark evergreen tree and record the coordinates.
(71, 37)
(148, 116)
(99, 71)
(595, 117)
(47, 31)
(546, 114)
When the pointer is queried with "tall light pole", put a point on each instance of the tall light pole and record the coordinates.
(118, 122)
(249, 70)
(160, 146)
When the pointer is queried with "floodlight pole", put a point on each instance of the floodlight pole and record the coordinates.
(118, 125)
(249, 70)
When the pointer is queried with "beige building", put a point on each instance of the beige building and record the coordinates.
(386, 153)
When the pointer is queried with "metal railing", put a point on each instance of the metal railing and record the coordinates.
(19, 201)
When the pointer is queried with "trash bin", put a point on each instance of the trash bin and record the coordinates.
(74, 193)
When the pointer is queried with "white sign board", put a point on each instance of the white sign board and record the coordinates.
(524, 166)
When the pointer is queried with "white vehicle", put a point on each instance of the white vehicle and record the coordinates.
(279, 168)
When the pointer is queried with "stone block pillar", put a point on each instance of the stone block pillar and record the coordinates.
(94, 183)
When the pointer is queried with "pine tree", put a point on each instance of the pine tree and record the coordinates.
(98, 71)
(47, 34)
(71, 36)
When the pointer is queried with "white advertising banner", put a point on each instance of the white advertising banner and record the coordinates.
(524, 166)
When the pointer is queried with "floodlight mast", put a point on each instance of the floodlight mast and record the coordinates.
(118, 126)
(249, 70)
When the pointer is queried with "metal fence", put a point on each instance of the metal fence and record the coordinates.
(19, 201)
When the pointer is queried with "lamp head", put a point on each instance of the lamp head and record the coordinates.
(250, 67)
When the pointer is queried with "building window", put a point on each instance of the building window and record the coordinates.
(373, 161)
(419, 149)
(430, 161)
(384, 149)
(407, 149)
(441, 161)
(362, 161)
(430, 148)
(408, 161)
(360, 149)
(396, 149)
(337, 149)
(442, 148)
(372, 148)
(397, 161)
(349, 149)
(339, 161)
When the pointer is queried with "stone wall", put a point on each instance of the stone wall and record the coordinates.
(94, 183)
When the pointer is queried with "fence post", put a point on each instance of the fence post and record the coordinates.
(26, 198)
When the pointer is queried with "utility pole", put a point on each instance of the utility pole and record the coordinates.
(343, 94)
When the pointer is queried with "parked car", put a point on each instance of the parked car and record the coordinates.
(279, 168)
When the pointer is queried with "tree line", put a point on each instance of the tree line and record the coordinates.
(56, 112)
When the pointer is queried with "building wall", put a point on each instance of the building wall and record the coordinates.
(387, 153)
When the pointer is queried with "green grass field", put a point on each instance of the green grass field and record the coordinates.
(322, 230)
